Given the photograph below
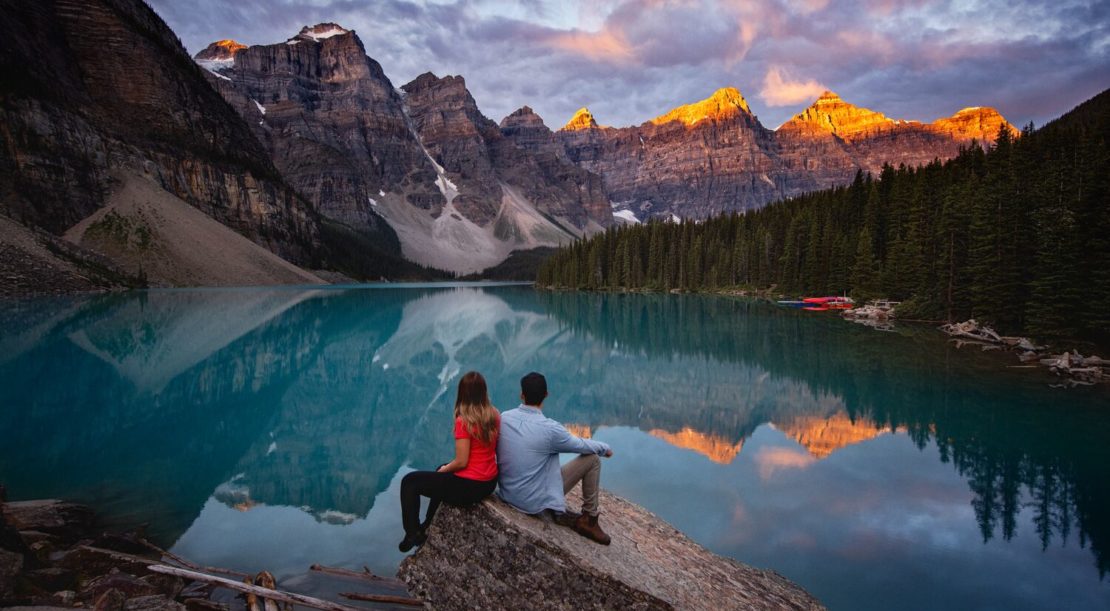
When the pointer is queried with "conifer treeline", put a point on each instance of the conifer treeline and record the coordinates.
(1018, 236)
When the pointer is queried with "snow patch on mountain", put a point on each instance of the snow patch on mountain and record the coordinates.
(321, 31)
(216, 65)
(626, 216)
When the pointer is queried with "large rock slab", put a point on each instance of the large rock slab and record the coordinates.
(491, 556)
(68, 521)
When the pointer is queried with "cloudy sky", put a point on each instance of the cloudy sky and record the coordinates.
(631, 60)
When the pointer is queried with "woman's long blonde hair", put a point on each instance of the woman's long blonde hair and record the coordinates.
(472, 405)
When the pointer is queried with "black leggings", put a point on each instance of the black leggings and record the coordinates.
(439, 487)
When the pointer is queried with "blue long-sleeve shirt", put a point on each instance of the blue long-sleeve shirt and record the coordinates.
(528, 449)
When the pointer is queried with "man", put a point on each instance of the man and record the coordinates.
(528, 459)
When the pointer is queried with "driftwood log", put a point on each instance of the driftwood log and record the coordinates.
(192, 565)
(384, 598)
(289, 597)
(272, 594)
(364, 574)
(1078, 369)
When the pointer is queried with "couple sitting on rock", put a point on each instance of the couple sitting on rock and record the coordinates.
(522, 446)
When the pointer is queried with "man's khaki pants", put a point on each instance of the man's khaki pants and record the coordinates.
(585, 468)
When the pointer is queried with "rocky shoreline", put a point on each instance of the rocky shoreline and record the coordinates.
(53, 555)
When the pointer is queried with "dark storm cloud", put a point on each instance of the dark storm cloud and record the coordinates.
(630, 60)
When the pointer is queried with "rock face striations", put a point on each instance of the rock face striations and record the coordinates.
(494, 557)
(331, 120)
(576, 193)
(92, 88)
(459, 194)
(714, 155)
(306, 148)
(693, 161)
(832, 139)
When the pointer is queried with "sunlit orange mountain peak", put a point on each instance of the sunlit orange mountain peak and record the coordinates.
(716, 448)
(231, 45)
(724, 103)
(977, 122)
(583, 119)
(831, 114)
(221, 50)
(823, 436)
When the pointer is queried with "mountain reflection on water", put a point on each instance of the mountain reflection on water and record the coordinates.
(864, 465)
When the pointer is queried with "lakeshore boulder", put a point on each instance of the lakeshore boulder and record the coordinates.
(492, 556)
(68, 521)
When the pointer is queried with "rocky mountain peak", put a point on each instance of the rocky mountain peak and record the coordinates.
(977, 122)
(522, 117)
(220, 50)
(320, 31)
(831, 114)
(725, 103)
(428, 80)
(582, 119)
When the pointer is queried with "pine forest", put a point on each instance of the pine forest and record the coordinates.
(1017, 235)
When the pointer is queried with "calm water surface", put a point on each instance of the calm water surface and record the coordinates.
(269, 428)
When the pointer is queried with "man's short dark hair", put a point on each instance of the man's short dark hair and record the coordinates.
(534, 388)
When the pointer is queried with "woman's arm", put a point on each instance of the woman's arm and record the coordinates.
(462, 457)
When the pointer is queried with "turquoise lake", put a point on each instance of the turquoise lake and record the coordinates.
(269, 429)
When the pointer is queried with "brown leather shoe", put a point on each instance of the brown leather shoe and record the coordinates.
(587, 526)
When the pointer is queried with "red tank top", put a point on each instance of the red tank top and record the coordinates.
(482, 464)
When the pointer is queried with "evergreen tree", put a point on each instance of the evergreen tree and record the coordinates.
(1017, 236)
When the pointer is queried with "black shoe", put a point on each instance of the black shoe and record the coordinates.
(412, 540)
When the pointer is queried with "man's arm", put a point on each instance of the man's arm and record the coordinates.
(563, 441)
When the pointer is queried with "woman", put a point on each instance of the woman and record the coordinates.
(470, 476)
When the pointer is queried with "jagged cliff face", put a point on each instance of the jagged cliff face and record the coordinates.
(714, 155)
(459, 138)
(575, 194)
(693, 161)
(519, 153)
(459, 194)
(101, 86)
(269, 139)
(332, 121)
(832, 138)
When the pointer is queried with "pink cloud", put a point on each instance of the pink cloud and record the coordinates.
(780, 90)
(805, 7)
(773, 460)
(604, 45)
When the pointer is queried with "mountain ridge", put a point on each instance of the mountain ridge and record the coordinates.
(693, 161)
(420, 160)
(714, 155)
